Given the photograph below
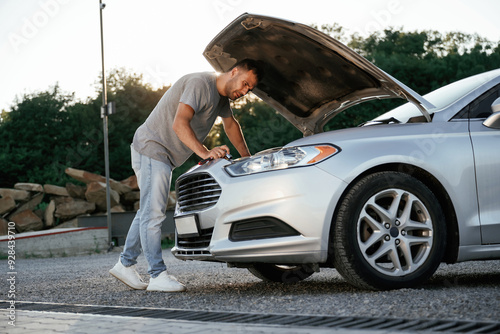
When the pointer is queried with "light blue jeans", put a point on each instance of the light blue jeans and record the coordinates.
(153, 178)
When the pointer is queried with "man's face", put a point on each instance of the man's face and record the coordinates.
(240, 83)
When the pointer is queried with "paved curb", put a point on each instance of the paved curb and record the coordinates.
(58, 242)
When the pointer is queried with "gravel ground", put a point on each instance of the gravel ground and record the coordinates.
(465, 291)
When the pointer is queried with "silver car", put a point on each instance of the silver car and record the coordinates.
(384, 203)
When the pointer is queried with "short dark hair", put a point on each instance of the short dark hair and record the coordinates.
(255, 66)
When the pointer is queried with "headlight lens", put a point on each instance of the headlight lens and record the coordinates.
(281, 158)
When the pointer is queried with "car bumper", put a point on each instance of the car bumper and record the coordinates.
(300, 198)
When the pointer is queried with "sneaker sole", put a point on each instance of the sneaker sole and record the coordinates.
(120, 278)
(178, 288)
(153, 290)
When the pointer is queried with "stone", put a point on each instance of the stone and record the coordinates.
(75, 191)
(27, 221)
(55, 190)
(69, 224)
(72, 208)
(88, 178)
(35, 187)
(120, 188)
(39, 212)
(7, 204)
(131, 182)
(118, 208)
(17, 195)
(84, 176)
(31, 204)
(172, 200)
(4, 226)
(96, 193)
(131, 197)
(62, 199)
(49, 214)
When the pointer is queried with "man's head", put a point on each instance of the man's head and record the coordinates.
(241, 78)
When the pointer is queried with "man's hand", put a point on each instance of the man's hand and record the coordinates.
(217, 152)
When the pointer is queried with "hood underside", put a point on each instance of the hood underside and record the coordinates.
(309, 76)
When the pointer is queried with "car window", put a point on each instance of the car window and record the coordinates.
(480, 107)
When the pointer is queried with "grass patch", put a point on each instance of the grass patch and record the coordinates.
(167, 243)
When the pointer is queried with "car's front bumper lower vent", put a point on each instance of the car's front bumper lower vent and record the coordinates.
(260, 228)
(197, 192)
(201, 241)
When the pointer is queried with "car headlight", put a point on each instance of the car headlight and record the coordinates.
(281, 158)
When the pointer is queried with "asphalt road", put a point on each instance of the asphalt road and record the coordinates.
(465, 291)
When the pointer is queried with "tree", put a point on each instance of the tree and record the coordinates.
(33, 135)
(47, 132)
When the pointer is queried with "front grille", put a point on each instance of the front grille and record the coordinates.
(197, 192)
(201, 241)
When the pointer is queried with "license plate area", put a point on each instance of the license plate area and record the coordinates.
(187, 226)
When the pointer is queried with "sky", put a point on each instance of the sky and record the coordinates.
(49, 42)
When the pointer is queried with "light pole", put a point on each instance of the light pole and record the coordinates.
(106, 110)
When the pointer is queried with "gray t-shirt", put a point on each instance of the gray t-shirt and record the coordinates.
(156, 139)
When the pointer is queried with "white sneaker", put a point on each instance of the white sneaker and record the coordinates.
(128, 275)
(165, 283)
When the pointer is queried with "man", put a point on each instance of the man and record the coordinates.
(173, 131)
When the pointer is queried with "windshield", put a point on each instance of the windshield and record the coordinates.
(440, 98)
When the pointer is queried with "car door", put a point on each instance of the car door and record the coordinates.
(486, 146)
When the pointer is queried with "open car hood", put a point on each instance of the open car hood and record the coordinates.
(309, 76)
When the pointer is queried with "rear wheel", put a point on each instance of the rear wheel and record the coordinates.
(390, 232)
(281, 273)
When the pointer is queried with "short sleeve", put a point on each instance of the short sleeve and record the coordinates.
(194, 93)
(225, 109)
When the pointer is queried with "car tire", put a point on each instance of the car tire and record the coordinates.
(281, 273)
(389, 232)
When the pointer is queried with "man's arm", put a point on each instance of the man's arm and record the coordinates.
(183, 130)
(233, 132)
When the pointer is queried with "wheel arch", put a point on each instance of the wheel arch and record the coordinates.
(452, 242)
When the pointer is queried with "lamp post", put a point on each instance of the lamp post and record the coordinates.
(106, 110)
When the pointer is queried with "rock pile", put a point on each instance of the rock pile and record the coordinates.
(34, 207)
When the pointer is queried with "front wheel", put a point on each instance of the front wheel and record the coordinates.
(389, 233)
(281, 273)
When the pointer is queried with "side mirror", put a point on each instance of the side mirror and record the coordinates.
(494, 120)
(495, 106)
